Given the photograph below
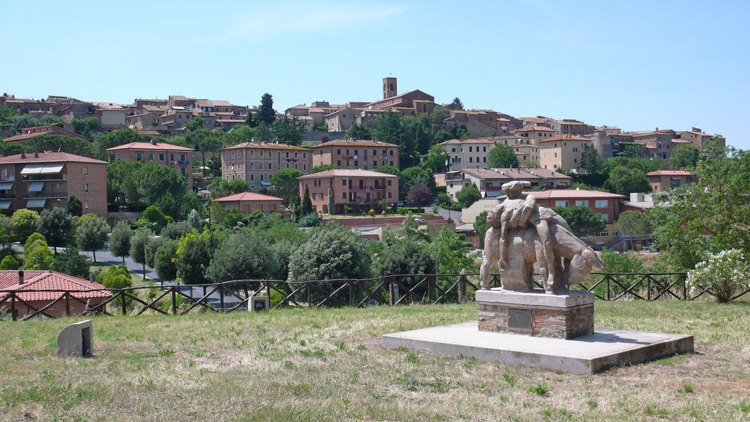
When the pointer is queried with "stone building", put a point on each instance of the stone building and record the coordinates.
(47, 180)
(256, 163)
(361, 190)
(562, 152)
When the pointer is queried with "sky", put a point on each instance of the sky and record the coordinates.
(637, 65)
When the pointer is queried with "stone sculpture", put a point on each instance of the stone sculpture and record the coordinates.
(522, 233)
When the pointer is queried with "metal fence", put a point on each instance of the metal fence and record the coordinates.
(392, 290)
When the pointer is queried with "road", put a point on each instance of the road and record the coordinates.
(455, 215)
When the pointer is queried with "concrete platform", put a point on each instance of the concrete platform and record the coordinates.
(589, 354)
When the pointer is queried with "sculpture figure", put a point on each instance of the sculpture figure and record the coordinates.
(522, 233)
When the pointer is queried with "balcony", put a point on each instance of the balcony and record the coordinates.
(55, 194)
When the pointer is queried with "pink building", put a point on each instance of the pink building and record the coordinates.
(359, 189)
(176, 157)
(662, 180)
(248, 202)
(609, 205)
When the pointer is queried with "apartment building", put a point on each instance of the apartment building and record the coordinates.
(176, 157)
(249, 202)
(662, 180)
(535, 133)
(256, 163)
(609, 205)
(465, 153)
(361, 190)
(356, 154)
(571, 127)
(562, 152)
(46, 180)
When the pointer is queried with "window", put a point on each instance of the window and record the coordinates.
(151, 157)
(391, 163)
(601, 203)
(295, 155)
(85, 187)
(389, 182)
(575, 149)
(562, 203)
(261, 154)
(356, 163)
(470, 149)
(343, 182)
(261, 177)
(183, 171)
(484, 149)
(374, 164)
(261, 166)
(85, 170)
(270, 166)
(252, 177)
(389, 195)
(605, 217)
(161, 157)
(584, 203)
(251, 153)
(470, 158)
(338, 163)
(391, 154)
(252, 166)
(287, 154)
(338, 152)
(171, 157)
(86, 204)
(118, 157)
(138, 156)
(343, 195)
(304, 167)
(232, 154)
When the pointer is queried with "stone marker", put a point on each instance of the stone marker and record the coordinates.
(259, 303)
(75, 340)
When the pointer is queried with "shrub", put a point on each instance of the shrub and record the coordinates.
(724, 274)
(371, 212)
(9, 263)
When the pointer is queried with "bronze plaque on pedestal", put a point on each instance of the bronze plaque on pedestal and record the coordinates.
(519, 319)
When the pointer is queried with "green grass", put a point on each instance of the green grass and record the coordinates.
(328, 364)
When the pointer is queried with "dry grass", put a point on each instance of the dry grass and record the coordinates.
(329, 365)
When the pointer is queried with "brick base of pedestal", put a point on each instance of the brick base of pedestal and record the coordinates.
(536, 313)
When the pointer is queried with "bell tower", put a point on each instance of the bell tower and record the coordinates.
(390, 87)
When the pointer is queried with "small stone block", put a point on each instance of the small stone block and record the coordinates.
(259, 303)
(76, 340)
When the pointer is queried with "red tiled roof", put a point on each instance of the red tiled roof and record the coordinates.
(467, 141)
(670, 173)
(346, 173)
(266, 146)
(533, 128)
(35, 280)
(48, 157)
(31, 132)
(149, 145)
(247, 196)
(356, 143)
(564, 138)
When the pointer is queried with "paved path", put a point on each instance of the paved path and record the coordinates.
(455, 215)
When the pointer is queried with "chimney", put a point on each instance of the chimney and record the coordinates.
(20, 277)
(36, 155)
(92, 277)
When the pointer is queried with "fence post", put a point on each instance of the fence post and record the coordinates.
(268, 291)
(462, 287)
(124, 305)
(430, 288)
(174, 300)
(13, 306)
(309, 295)
(608, 297)
(351, 294)
(684, 286)
(67, 304)
(390, 291)
(221, 297)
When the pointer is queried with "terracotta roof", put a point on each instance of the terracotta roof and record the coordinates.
(30, 132)
(355, 143)
(266, 146)
(247, 196)
(346, 173)
(109, 106)
(48, 157)
(573, 193)
(532, 128)
(35, 280)
(670, 173)
(467, 141)
(564, 138)
(149, 145)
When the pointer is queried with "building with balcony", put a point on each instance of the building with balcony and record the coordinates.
(662, 180)
(256, 163)
(361, 190)
(351, 154)
(490, 181)
(249, 202)
(176, 157)
(46, 180)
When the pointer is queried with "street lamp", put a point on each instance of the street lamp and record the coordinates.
(434, 234)
(412, 160)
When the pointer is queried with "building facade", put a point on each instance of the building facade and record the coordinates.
(249, 202)
(256, 163)
(176, 157)
(662, 180)
(361, 190)
(490, 181)
(352, 154)
(562, 152)
(47, 180)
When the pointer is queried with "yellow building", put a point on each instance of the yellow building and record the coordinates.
(562, 152)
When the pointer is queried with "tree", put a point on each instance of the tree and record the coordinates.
(24, 223)
(72, 263)
(87, 126)
(9, 263)
(624, 181)
(582, 220)
(331, 252)
(419, 195)
(357, 131)
(468, 195)
(155, 180)
(194, 256)
(480, 226)
(164, 260)
(633, 223)
(138, 243)
(457, 104)
(12, 148)
(38, 256)
(60, 143)
(122, 182)
(332, 201)
(6, 117)
(247, 255)
(119, 240)
(307, 206)
(284, 183)
(249, 119)
(452, 254)
(74, 206)
(266, 114)
(442, 135)
(437, 159)
(390, 130)
(289, 131)
(219, 188)
(238, 186)
(197, 123)
(684, 157)
(110, 140)
(323, 167)
(502, 156)
(56, 226)
(263, 133)
(590, 159)
(195, 221)
(402, 252)
(91, 233)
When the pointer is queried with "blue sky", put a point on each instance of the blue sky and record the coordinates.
(632, 64)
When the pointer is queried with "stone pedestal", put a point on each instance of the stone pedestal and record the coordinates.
(537, 314)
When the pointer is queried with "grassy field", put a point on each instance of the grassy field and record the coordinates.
(329, 365)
